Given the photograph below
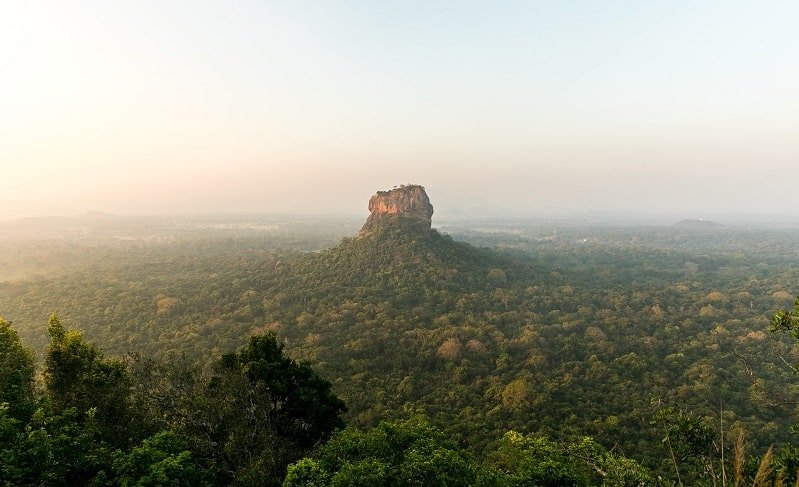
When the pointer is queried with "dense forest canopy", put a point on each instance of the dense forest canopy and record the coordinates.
(530, 336)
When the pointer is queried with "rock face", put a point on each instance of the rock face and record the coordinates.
(409, 202)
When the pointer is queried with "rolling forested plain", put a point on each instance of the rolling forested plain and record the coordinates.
(271, 351)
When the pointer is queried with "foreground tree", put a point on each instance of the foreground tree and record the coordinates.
(16, 374)
(77, 376)
(258, 412)
(275, 410)
(410, 453)
(521, 460)
(162, 459)
(415, 453)
(103, 421)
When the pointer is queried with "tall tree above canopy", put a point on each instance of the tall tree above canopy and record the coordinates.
(299, 402)
(16, 373)
(77, 376)
(268, 411)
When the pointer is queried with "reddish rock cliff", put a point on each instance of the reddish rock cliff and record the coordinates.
(406, 201)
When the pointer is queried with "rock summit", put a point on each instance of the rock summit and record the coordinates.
(408, 202)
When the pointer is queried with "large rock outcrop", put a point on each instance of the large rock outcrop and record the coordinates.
(405, 202)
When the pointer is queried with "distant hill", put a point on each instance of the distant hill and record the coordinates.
(95, 215)
(700, 224)
(401, 262)
(64, 220)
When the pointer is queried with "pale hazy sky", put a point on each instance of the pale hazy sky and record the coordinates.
(140, 107)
